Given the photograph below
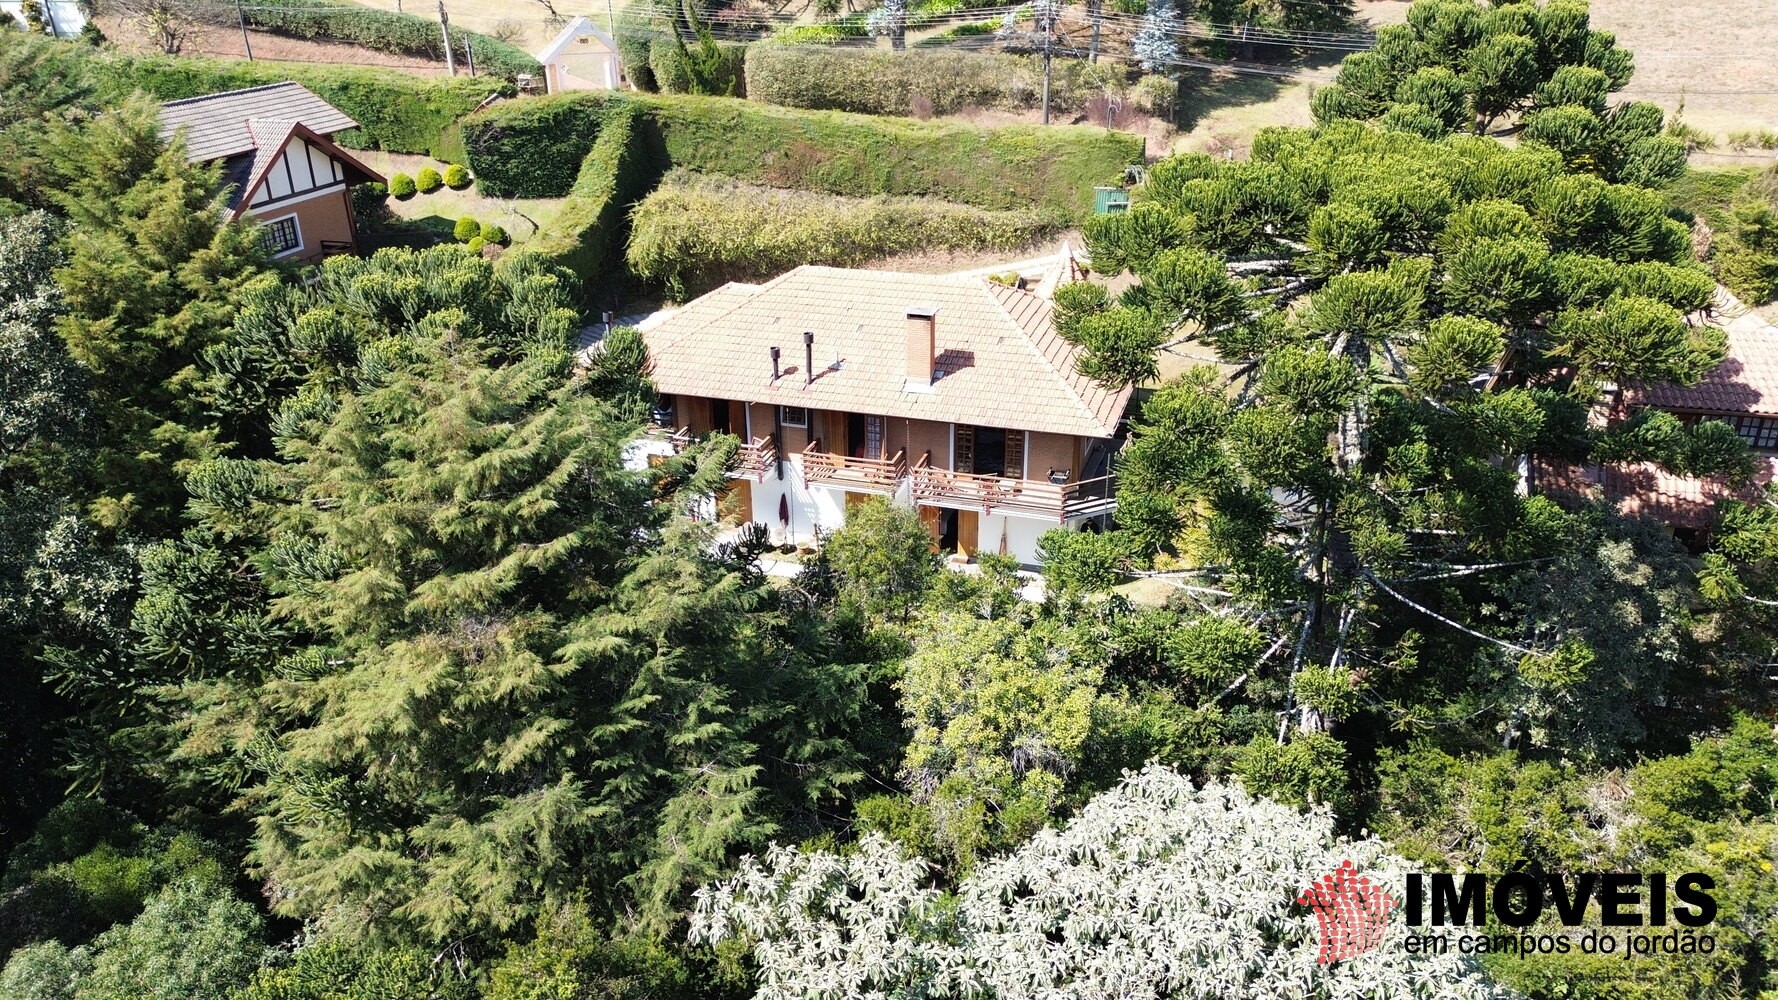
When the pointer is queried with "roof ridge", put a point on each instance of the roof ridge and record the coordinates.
(183, 101)
(993, 293)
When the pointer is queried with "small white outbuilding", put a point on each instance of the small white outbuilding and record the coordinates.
(582, 57)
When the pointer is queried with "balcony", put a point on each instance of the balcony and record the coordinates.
(756, 460)
(867, 475)
(999, 494)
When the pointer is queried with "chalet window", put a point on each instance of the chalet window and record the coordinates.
(793, 416)
(1758, 432)
(281, 236)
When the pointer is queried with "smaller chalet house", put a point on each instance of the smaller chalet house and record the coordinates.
(581, 58)
(950, 394)
(1742, 392)
(280, 164)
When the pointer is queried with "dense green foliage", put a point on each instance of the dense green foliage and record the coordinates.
(350, 650)
(531, 147)
(886, 82)
(589, 231)
(396, 111)
(389, 31)
(535, 148)
(1461, 65)
(694, 233)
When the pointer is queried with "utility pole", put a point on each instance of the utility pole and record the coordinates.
(469, 47)
(1098, 8)
(610, 21)
(444, 25)
(246, 42)
(1048, 24)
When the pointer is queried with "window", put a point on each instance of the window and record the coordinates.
(1758, 432)
(794, 416)
(281, 236)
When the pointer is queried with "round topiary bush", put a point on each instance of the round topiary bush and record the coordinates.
(493, 234)
(401, 186)
(475, 245)
(428, 181)
(456, 177)
(467, 229)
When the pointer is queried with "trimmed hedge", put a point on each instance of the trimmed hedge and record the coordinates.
(586, 234)
(387, 31)
(884, 82)
(1017, 166)
(693, 233)
(528, 146)
(533, 148)
(396, 111)
(667, 64)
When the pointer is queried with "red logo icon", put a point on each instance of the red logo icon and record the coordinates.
(1351, 913)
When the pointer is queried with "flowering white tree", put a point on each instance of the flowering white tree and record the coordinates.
(1156, 44)
(1157, 889)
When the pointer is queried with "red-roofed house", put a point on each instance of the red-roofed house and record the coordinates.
(280, 164)
(1742, 392)
(952, 394)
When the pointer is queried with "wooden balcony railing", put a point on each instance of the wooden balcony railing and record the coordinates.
(1061, 501)
(756, 460)
(871, 475)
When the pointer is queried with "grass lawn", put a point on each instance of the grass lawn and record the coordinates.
(440, 210)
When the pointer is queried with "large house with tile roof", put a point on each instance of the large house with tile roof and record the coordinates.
(949, 393)
(280, 164)
(1741, 392)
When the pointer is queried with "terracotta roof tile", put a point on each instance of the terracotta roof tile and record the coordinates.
(1003, 364)
(1747, 382)
(1645, 490)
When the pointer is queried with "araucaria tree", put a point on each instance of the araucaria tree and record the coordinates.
(1401, 330)
(1464, 65)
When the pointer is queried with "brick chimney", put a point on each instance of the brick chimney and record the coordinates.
(922, 341)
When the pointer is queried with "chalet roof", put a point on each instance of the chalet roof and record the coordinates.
(217, 125)
(1746, 381)
(579, 27)
(1643, 489)
(1002, 362)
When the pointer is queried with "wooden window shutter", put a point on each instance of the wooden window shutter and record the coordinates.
(964, 457)
(1015, 454)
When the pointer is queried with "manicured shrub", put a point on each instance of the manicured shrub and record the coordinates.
(401, 186)
(456, 176)
(467, 229)
(694, 233)
(388, 31)
(884, 82)
(533, 148)
(1019, 166)
(675, 70)
(589, 230)
(475, 244)
(493, 233)
(428, 180)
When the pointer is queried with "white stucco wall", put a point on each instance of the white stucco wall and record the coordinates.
(824, 507)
